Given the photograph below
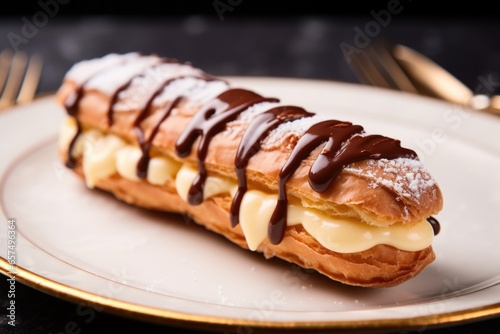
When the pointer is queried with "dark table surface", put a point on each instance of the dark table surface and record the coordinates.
(298, 46)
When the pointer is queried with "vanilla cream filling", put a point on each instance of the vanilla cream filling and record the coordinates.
(160, 169)
(105, 155)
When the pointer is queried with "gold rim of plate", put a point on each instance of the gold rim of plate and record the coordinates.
(168, 317)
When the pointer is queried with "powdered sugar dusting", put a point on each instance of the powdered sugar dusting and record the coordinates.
(109, 80)
(256, 109)
(238, 126)
(198, 91)
(149, 81)
(287, 129)
(408, 177)
(157, 75)
(205, 91)
(84, 70)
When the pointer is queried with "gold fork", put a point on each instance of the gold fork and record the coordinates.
(19, 77)
(398, 67)
(375, 65)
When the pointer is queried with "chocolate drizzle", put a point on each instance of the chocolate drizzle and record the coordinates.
(257, 130)
(208, 122)
(71, 106)
(143, 163)
(73, 99)
(114, 99)
(145, 145)
(436, 227)
(145, 108)
(345, 144)
(334, 157)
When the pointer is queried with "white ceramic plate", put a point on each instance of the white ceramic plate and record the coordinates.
(87, 247)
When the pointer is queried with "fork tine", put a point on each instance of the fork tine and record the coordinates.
(375, 65)
(14, 79)
(31, 79)
(360, 69)
(5, 60)
(378, 63)
(383, 53)
(366, 71)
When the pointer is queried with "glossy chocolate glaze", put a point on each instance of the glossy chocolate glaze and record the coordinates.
(145, 144)
(343, 143)
(257, 130)
(208, 122)
(436, 227)
(73, 99)
(114, 98)
(71, 106)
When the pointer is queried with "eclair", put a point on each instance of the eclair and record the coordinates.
(273, 178)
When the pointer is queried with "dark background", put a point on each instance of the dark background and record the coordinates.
(284, 8)
(270, 38)
(254, 38)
